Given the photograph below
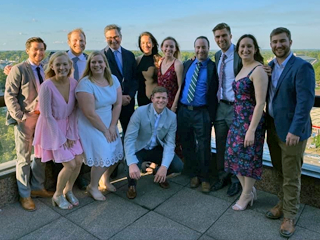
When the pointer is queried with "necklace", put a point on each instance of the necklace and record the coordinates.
(100, 82)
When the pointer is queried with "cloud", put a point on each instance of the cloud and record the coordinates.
(34, 20)
(58, 42)
(21, 33)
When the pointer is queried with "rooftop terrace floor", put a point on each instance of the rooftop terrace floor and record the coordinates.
(175, 213)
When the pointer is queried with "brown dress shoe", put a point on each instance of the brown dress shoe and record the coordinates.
(165, 184)
(42, 193)
(205, 187)
(131, 193)
(27, 204)
(194, 182)
(275, 212)
(287, 227)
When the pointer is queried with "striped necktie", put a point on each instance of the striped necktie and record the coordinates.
(221, 74)
(193, 84)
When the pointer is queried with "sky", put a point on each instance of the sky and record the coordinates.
(182, 19)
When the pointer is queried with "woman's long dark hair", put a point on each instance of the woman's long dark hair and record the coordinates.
(257, 56)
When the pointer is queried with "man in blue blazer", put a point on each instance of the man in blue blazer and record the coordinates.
(290, 99)
(196, 113)
(228, 65)
(151, 137)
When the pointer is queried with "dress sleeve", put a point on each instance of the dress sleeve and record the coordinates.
(48, 134)
(85, 85)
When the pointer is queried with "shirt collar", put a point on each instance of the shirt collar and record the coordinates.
(33, 65)
(155, 112)
(119, 50)
(81, 56)
(230, 51)
(283, 64)
(203, 63)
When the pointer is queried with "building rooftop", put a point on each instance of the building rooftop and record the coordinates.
(175, 213)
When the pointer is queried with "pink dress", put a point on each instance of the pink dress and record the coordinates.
(57, 123)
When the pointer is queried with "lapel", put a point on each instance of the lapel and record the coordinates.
(284, 72)
(31, 75)
(124, 60)
(186, 68)
(236, 63)
(151, 117)
(209, 73)
(162, 118)
(217, 57)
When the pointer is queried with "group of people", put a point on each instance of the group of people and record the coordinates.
(72, 118)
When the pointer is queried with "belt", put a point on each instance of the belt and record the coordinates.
(226, 102)
(192, 108)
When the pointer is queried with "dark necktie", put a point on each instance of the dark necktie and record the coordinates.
(39, 75)
(221, 75)
(75, 66)
(193, 83)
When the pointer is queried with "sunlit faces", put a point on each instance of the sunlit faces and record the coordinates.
(146, 45)
(223, 39)
(280, 45)
(201, 48)
(77, 43)
(159, 101)
(36, 52)
(168, 48)
(61, 66)
(246, 49)
(113, 38)
(97, 65)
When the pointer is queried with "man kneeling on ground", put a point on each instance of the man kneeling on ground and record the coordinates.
(150, 136)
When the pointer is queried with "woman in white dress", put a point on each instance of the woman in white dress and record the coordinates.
(100, 99)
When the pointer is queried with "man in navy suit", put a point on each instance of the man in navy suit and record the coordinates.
(290, 99)
(196, 113)
(122, 64)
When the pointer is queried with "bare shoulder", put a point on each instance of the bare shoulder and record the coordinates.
(259, 73)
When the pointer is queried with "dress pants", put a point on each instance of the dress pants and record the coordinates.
(287, 162)
(222, 123)
(24, 132)
(155, 155)
(194, 130)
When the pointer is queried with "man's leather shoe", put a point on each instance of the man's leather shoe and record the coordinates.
(43, 193)
(82, 183)
(27, 204)
(165, 184)
(287, 228)
(219, 184)
(234, 189)
(131, 193)
(275, 212)
(205, 187)
(194, 182)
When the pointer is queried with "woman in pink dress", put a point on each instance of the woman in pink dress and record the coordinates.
(56, 135)
(170, 72)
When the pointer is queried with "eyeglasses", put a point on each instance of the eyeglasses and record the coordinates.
(113, 38)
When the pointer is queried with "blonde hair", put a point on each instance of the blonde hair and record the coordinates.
(78, 30)
(107, 73)
(49, 73)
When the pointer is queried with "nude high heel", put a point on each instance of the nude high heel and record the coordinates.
(238, 207)
(61, 202)
(255, 196)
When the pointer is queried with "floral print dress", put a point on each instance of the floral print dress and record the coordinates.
(238, 159)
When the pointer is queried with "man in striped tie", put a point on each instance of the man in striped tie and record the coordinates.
(196, 113)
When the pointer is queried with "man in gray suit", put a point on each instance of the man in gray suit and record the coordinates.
(21, 98)
(228, 65)
(151, 136)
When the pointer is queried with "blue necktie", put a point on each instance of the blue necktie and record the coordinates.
(116, 56)
(75, 66)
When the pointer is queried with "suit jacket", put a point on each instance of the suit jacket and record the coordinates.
(140, 129)
(237, 63)
(21, 93)
(128, 81)
(293, 99)
(212, 86)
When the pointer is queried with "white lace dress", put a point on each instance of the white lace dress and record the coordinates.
(98, 151)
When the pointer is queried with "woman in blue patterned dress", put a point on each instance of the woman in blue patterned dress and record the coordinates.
(246, 135)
